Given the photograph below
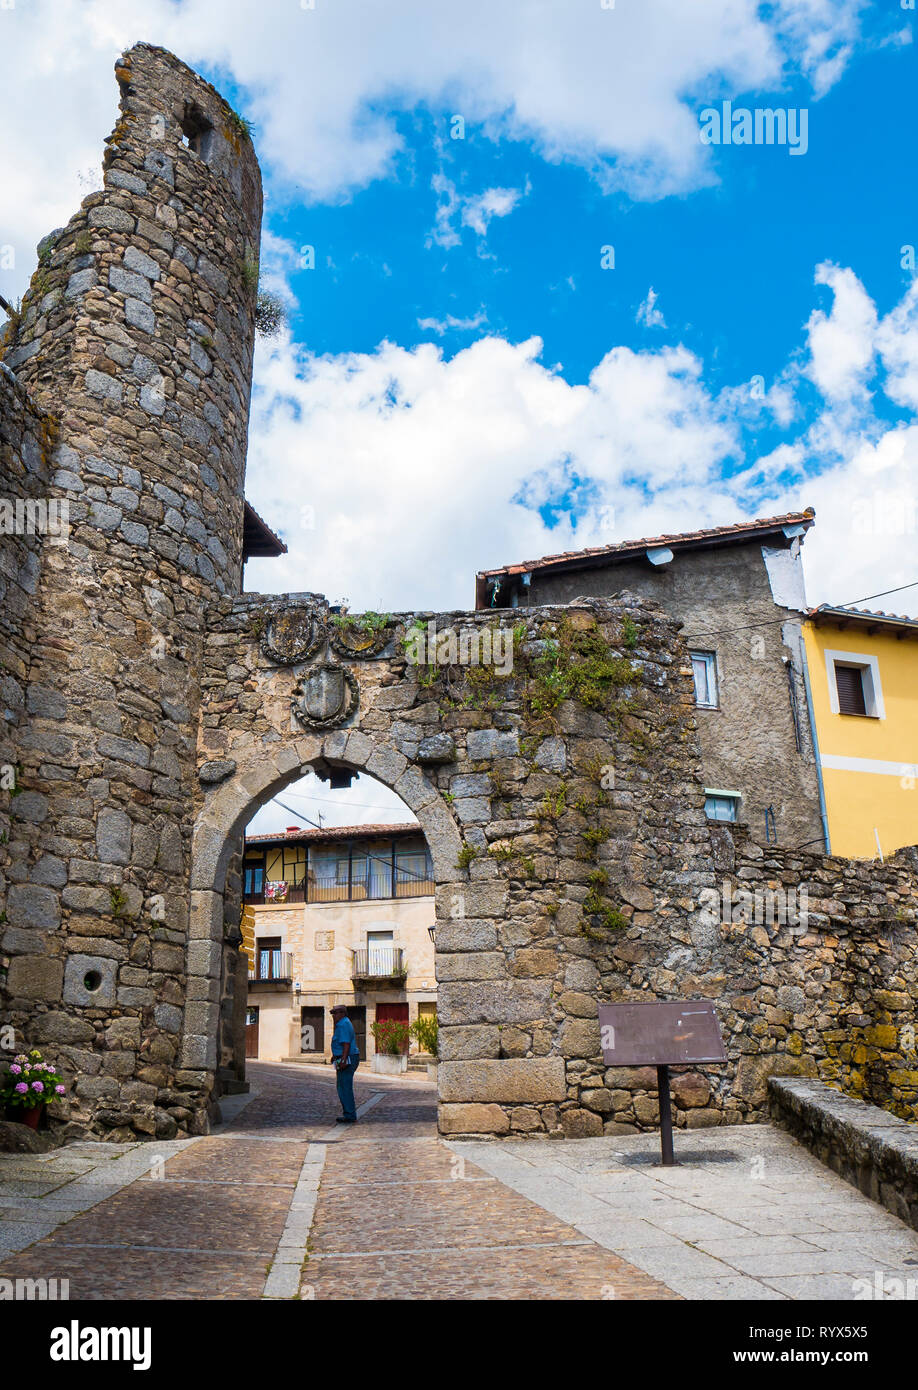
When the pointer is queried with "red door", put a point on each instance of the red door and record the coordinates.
(397, 1012)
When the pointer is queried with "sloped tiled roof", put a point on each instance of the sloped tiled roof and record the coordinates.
(334, 832)
(715, 535)
(861, 617)
(257, 536)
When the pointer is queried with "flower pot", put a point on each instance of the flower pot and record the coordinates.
(23, 1115)
(385, 1064)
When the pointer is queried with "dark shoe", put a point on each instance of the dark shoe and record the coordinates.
(345, 1120)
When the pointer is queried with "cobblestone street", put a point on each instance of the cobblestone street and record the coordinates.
(282, 1203)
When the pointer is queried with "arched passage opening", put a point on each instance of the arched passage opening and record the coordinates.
(349, 916)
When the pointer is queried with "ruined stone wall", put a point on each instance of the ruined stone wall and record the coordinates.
(137, 332)
(574, 866)
(835, 988)
(26, 438)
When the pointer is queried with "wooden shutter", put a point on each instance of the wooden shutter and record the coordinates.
(849, 682)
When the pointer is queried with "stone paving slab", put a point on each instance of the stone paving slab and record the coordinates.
(242, 1160)
(747, 1213)
(112, 1273)
(399, 1217)
(281, 1203)
(582, 1271)
(177, 1215)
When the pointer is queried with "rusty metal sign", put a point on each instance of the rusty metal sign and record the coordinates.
(662, 1034)
(657, 1034)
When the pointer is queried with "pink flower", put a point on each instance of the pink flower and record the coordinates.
(21, 1088)
(16, 1068)
(60, 1090)
(38, 1086)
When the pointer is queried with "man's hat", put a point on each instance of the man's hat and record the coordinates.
(338, 1009)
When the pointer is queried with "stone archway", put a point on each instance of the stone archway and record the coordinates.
(227, 809)
(542, 862)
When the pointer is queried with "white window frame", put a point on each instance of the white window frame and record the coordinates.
(710, 660)
(869, 666)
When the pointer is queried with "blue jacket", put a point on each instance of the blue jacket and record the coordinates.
(344, 1033)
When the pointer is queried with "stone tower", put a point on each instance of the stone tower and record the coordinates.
(127, 386)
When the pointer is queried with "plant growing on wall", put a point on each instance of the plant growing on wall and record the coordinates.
(466, 854)
(369, 622)
(270, 314)
(248, 268)
(240, 126)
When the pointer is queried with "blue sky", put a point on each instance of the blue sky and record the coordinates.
(732, 263)
(462, 384)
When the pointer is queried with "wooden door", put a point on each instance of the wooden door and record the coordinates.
(357, 1013)
(397, 1012)
(251, 1033)
(312, 1030)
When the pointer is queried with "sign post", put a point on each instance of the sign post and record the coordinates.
(661, 1035)
(666, 1117)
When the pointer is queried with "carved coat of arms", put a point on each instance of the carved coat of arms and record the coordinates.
(325, 695)
(293, 633)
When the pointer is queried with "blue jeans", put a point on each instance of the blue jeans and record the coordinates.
(344, 1079)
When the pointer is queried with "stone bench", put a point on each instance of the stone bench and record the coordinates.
(867, 1146)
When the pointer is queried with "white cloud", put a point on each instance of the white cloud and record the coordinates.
(470, 210)
(648, 314)
(897, 344)
(434, 467)
(421, 469)
(841, 343)
(324, 85)
(494, 202)
(452, 324)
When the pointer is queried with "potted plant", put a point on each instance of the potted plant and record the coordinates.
(391, 1038)
(425, 1030)
(28, 1084)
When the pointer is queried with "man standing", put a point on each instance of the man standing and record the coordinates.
(346, 1059)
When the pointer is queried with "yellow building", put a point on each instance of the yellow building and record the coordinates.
(863, 688)
(336, 916)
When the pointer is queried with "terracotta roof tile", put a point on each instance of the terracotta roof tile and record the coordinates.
(832, 610)
(737, 529)
(336, 832)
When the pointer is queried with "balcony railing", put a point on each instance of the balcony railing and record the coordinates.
(379, 963)
(331, 890)
(271, 966)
